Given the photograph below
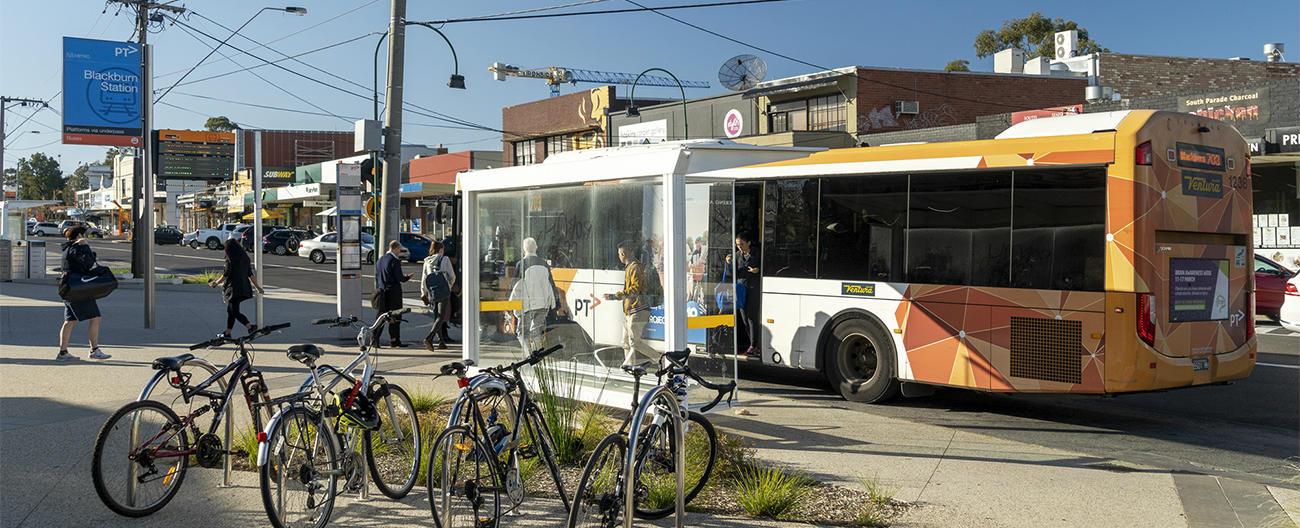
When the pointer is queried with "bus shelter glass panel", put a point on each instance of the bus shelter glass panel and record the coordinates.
(579, 266)
(710, 300)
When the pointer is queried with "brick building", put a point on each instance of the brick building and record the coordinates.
(1139, 76)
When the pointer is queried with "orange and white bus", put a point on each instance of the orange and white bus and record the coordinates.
(1099, 253)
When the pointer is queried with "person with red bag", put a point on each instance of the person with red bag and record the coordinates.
(79, 259)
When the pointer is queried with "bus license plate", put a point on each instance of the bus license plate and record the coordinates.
(1200, 364)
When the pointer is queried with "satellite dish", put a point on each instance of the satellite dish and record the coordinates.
(742, 72)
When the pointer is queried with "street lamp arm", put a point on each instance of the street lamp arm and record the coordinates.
(455, 63)
(686, 123)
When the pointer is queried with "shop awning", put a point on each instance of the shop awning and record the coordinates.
(328, 212)
(266, 215)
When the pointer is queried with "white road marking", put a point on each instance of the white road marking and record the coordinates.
(1294, 367)
(222, 260)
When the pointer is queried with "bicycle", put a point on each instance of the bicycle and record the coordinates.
(167, 435)
(652, 456)
(370, 417)
(493, 446)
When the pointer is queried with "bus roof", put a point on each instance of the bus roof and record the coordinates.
(625, 162)
(1087, 139)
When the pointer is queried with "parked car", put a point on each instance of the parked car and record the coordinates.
(326, 247)
(1270, 284)
(167, 235)
(30, 224)
(214, 237)
(46, 229)
(92, 231)
(284, 241)
(191, 239)
(1289, 314)
(417, 245)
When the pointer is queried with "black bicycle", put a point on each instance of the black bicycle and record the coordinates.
(601, 499)
(494, 428)
(144, 449)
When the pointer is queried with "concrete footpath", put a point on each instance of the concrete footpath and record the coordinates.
(50, 413)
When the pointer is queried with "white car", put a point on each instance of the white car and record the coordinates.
(326, 247)
(45, 229)
(214, 238)
(1289, 315)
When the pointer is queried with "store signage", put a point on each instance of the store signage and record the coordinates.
(101, 92)
(733, 124)
(1054, 111)
(318, 203)
(1283, 140)
(1198, 289)
(1237, 106)
(858, 289)
(642, 133)
(1255, 145)
(277, 176)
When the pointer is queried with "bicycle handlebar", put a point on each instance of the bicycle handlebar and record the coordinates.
(336, 321)
(221, 340)
(682, 367)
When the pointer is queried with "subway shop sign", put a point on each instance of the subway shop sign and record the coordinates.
(102, 90)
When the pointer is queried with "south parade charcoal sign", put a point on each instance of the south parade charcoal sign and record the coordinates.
(101, 92)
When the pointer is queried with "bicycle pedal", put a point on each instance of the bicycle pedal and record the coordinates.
(527, 452)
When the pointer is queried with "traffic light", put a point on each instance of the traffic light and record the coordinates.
(368, 172)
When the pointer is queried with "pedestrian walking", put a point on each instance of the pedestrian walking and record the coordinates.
(237, 283)
(638, 297)
(79, 258)
(748, 279)
(535, 290)
(388, 291)
(439, 280)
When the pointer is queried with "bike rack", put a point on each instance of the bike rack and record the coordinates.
(661, 392)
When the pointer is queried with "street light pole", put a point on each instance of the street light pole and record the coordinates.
(631, 107)
(392, 180)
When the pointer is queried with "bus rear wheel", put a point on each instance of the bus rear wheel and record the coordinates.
(858, 357)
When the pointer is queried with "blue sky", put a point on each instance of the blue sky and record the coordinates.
(833, 33)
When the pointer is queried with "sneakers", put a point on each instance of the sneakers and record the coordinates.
(65, 356)
(754, 352)
(98, 354)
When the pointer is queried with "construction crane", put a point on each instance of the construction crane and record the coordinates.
(556, 75)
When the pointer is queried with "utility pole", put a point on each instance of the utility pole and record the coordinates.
(142, 185)
(392, 181)
(4, 108)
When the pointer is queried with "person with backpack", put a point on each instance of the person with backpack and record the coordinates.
(641, 290)
(435, 291)
(535, 290)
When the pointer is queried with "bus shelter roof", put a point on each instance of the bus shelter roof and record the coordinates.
(626, 162)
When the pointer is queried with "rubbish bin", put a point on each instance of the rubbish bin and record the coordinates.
(18, 259)
(36, 259)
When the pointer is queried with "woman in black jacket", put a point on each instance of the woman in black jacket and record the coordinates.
(237, 283)
(79, 258)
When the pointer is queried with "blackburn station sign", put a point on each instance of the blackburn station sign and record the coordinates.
(102, 89)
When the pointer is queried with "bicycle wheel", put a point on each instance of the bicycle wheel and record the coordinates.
(393, 451)
(140, 458)
(464, 488)
(656, 479)
(599, 499)
(300, 477)
(540, 438)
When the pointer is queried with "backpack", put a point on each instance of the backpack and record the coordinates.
(436, 283)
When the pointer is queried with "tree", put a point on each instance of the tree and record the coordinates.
(39, 177)
(75, 182)
(958, 65)
(220, 124)
(1033, 34)
(113, 152)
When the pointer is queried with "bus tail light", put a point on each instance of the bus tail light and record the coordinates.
(1142, 155)
(1250, 316)
(1146, 320)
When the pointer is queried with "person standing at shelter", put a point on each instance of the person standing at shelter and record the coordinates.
(748, 277)
(79, 258)
(535, 290)
(388, 291)
(435, 290)
(237, 283)
(637, 301)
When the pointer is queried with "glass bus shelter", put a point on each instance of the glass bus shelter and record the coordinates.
(619, 254)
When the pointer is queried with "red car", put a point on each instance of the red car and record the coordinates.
(1270, 283)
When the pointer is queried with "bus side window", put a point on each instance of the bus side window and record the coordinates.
(789, 247)
(863, 221)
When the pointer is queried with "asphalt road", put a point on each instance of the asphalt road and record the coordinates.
(1248, 430)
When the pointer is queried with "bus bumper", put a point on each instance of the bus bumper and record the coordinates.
(1150, 370)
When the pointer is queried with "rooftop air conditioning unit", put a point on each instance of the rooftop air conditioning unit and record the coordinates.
(1067, 43)
(907, 107)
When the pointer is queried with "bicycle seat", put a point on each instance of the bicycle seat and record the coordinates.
(635, 370)
(304, 352)
(171, 362)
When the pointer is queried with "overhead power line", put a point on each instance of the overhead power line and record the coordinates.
(498, 18)
(289, 57)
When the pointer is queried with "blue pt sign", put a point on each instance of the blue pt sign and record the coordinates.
(101, 92)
